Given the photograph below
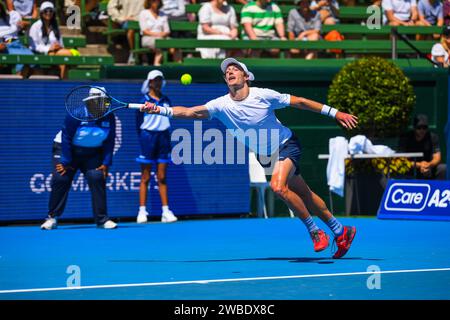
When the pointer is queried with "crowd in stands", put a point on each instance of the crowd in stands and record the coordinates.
(217, 19)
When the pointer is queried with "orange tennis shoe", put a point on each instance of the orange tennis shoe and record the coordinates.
(344, 241)
(320, 240)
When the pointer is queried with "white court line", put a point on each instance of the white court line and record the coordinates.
(149, 284)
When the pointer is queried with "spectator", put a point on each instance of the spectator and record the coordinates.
(154, 137)
(26, 8)
(123, 11)
(217, 20)
(262, 20)
(9, 41)
(174, 9)
(303, 25)
(422, 140)
(441, 51)
(88, 147)
(446, 9)
(400, 12)
(154, 25)
(328, 9)
(45, 37)
(430, 14)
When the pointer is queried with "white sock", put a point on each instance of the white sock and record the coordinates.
(165, 209)
(143, 209)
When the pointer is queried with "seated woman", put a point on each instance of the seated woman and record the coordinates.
(10, 23)
(303, 25)
(328, 10)
(400, 12)
(154, 25)
(217, 21)
(45, 37)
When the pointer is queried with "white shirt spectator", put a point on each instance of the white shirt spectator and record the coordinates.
(400, 8)
(24, 7)
(38, 43)
(174, 8)
(11, 29)
(156, 24)
(223, 22)
(151, 23)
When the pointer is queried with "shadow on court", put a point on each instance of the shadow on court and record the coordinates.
(288, 259)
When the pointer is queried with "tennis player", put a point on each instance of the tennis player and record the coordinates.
(154, 137)
(88, 147)
(245, 108)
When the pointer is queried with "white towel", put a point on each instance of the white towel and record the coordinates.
(338, 148)
(360, 144)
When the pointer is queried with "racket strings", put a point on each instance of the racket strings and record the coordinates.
(85, 106)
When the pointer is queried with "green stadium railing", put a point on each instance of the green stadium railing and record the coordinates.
(349, 46)
(56, 60)
(78, 42)
(315, 63)
(71, 42)
(357, 46)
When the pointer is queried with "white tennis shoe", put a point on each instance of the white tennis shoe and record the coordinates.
(49, 224)
(108, 225)
(168, 217)
(142, 217)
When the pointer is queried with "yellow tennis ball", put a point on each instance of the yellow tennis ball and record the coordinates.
(186, 79)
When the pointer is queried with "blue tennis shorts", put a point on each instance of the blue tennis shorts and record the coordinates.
(155, 147)
(290, 149)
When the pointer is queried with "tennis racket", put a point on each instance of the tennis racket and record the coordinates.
(88, 103)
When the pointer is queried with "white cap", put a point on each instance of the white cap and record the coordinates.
(225, 63)
(438, 50)
(151, 76)
(46, 5)
(96, 92)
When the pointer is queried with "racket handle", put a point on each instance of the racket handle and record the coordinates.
(135, 105)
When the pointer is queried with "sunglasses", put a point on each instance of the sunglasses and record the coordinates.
(421, 127)
(48, 11)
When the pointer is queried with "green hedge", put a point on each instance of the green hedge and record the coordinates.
(378, 92)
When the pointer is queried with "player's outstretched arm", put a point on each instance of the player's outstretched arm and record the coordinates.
(198, 112)
(347, 120)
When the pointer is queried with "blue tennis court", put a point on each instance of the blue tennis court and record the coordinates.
(224, 259)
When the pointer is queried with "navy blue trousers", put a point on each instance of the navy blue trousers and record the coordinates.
(86, 160)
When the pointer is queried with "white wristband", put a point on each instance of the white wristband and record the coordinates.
(166, 111)
(329, 111)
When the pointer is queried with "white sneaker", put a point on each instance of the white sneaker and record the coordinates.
(142, 217)
(131, 59)
(49, 224)
(108, 225)
(168, 217)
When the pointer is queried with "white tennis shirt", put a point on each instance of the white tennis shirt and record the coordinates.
(252, 120)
